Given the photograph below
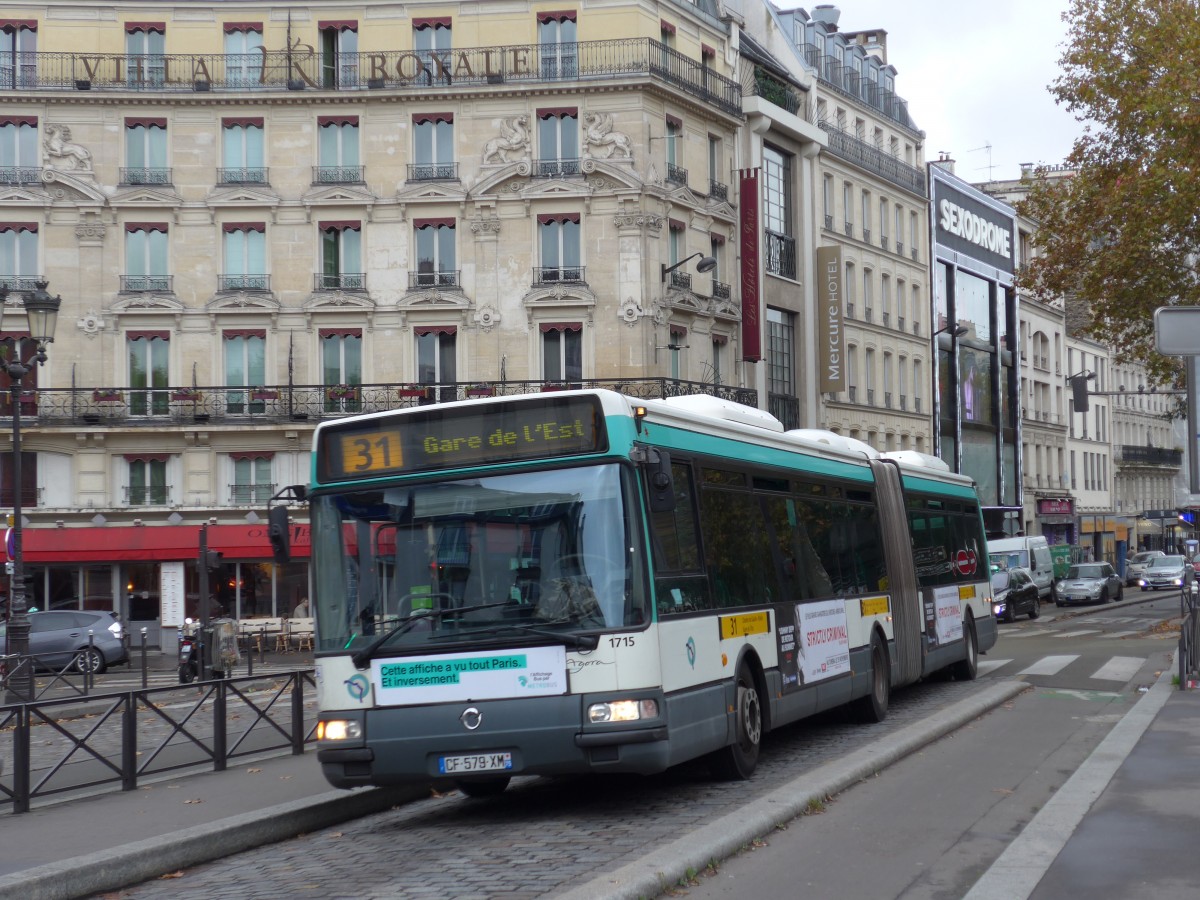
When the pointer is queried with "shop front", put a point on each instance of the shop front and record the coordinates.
(1056, 519)
(150, 574)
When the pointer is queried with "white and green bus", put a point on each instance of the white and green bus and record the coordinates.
(582, 582)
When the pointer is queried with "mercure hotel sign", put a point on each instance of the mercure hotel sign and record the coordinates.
(831, 318)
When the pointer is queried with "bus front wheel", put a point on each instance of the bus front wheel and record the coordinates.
(738, 761)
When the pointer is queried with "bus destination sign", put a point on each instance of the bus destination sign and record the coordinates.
(453, 438)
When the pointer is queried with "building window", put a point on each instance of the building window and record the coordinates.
(557, 45)
(245, 257)
(20, 162)
(869, 373)
(341, 368)
(146, 258)
(147, 480)
(848, 206)
(675, 171)
(913, 234)
(433, 147)
(18, 255)
(827, 200)
(245, 352)
(781, 341)
(253, 481)
(341, 257)
(29, 480)
(145, 47)
(558, 238)
(562, 352)
(558, 142)
(719, 342)
(242, 152)
(18, 55)
(779, 243)
(717, 189)
(148, 354)
(437, 360)
(338, 161)
(866, 215)
(339, 54)
(435, 253)
(883, 221)
(431, 38)
(146, 152)
(243, 54)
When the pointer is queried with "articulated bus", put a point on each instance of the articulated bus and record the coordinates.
(583, 582)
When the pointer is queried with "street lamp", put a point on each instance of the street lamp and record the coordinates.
(41, 316)
(955, 332)
(706, 264)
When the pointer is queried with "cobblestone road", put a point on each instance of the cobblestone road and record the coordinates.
(540, 837)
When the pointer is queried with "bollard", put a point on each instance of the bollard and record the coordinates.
(89, 674)
(145, 674)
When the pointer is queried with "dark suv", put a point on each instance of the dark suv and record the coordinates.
(59, 638)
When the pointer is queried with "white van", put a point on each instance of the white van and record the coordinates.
(1032, 553)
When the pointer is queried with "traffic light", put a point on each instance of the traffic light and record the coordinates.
(1079, 390)
(212, 559)
(279, 533)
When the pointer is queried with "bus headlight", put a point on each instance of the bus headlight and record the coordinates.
(339, 730)
(622, 711)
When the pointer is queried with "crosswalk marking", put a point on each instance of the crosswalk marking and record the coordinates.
(991, 665)
(1124, 634)
(1068, 634)
(1119, 668)
(1049, 665)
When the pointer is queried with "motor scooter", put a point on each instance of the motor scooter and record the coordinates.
(189, 652)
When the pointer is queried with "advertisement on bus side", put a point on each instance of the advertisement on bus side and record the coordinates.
(817, 646)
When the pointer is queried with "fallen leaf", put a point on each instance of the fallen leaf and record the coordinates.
(253, 771)
(178, 874)
(193, 801)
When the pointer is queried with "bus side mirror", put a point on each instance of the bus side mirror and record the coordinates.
(280, 534)
(660, 487)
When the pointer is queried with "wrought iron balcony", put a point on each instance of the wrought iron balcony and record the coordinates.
(16, 175)
(875, 160)
(337, 175)
(421, 280)
(243, 282)
(138, 408)
(720, 290)
(242, 176)
(136, 284)
(20, 282)
(247, 494)
(340, 281)
(785, 408)
(676, 174)
(1151, 456)
(680, 279)
(780, 251)
(556, 168)
(558, 275)
(718, 191)
(403, 70)
(433, 171)
(844, 80)
(147, 495)
(145, 175)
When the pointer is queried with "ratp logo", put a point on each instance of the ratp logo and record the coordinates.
(691, 652)
(357, 687)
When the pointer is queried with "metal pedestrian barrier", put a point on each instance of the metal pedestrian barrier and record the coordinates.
(1189, 635)
(108, 741)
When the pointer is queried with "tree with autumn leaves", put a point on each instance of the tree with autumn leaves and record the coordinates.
(1122, 236)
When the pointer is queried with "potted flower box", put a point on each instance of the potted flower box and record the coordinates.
(412, 390)
(342, 392)
(108, 395)
(480, 390)
(186, 395)
(263, 394)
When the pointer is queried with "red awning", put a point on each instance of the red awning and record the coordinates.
(151, 543)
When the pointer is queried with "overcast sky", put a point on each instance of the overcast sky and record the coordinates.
(974, 74)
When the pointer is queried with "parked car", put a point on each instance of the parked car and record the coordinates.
(1031, 553)
(1089, 583)
(59, 638)
(1136, 565)
(1171, 572)
(1015, 593)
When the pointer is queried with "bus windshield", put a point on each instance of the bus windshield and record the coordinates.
(478, 560)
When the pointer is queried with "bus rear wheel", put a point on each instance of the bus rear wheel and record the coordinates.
(967, 668)
(484, 787)
(738, 761)
(874, 706)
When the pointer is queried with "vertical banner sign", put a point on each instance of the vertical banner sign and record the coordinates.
(748, 238)
(830, 317)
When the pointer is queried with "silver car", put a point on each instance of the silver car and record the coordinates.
(1135, 566)
(60, 638)
(1170, 572)
(1089, 583)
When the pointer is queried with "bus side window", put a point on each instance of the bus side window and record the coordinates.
(679, 582)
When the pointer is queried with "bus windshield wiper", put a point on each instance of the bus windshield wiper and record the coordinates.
(363, 655)
(577, 641)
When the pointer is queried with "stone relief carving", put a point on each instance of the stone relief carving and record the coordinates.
(599, 136)
(485, 225)
(91, 323)
(630, 311)
(60, 152)
(486, 317)
(514, 138)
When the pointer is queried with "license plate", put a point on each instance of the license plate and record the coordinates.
(475, 762)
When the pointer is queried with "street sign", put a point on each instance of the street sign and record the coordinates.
(1177, 330)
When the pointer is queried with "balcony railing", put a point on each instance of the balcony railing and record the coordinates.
(785, 408)
(676, 174)
(1151, 456)
(433, 171)
(337, 174)
(559, 275)
(242, 176)
(145, 175)
(421, 280)
(875, 160)
(300, 69)
(19, 282)
(556, 168)
(243, 282)
(681, 280)
(139, 408)
(147, 495)
(780, 93)
(15, 175)
(717, 190)
(246, 494)
(340, 281)
(780, 251)
(720, 290)
(849, 83)
(137, 284)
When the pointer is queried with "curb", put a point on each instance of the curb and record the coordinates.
(655, 872)
(109, 870)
